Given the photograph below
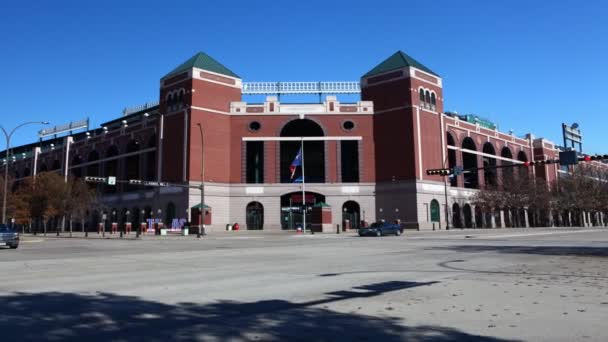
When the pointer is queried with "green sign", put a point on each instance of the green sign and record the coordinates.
(434, 211)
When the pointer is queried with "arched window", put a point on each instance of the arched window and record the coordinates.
(523, 171)
(76, 169)
(427, 97)
(489, 164)
(111, 168)
(314, 152)
(93, 169)
(433, 100)
(507, 172)
(451, 158)
(150, 169)
(132, 164)
(469, 161)
(421, 95)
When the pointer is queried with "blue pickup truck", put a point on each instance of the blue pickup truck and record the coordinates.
(8, 237)
(380, 229)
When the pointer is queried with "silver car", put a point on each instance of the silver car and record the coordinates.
(8, 237)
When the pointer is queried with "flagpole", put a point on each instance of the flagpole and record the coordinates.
(303, 189)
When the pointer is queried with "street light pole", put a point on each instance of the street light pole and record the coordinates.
(8, 136)
(201, 226)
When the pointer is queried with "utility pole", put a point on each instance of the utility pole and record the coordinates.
(303, 190)
(201, 226)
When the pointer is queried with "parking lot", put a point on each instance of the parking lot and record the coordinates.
(471, 285)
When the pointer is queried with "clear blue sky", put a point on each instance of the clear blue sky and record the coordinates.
(526, 65)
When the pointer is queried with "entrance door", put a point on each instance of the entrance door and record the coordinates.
(351, 217)
(292, 209)
(255, 216)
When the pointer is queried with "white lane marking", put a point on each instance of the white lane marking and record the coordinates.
(535, 234)
(31, 241)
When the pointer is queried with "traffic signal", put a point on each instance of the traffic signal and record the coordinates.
(95, 179)
(596, 157)
(439, 172)
(540, 162)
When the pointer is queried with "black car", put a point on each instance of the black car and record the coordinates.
(381, 228)
(8, 237)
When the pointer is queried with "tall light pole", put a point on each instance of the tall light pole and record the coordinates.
(7, 154)
(201, 226)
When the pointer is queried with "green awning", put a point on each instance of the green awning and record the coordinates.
(322, 205)
(198, 206)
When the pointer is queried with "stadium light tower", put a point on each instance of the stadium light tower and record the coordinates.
(8, 136)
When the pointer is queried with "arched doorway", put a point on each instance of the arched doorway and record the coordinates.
(314, 152)
(468, 216)
(292, 208)
(254, 216)
(435, 213)
(456, 219)
(351, 212)
(469, 162)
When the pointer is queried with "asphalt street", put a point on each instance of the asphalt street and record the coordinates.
(470, 285)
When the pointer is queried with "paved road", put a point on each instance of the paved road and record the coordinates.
(472, 285)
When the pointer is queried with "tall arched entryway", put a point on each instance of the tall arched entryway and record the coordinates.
(351, 212)
(314, 152)
(469, 161)
(456, 219)
(468, 216)
(292, 208)
(254, 216)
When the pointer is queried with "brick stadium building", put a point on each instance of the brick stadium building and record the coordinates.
(364, 160)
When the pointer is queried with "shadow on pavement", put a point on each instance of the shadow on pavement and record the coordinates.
(56, 316)
(537, 250)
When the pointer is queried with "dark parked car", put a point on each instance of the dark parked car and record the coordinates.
(381, 228)
(8, 237)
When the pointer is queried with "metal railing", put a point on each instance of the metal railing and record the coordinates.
(259, 88)
(135, 109)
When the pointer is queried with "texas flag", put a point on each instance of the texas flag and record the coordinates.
(295, 163)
